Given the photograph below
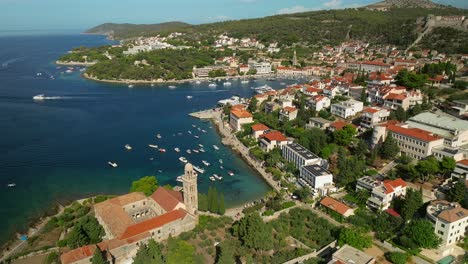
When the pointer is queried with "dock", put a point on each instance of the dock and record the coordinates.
(205, 114)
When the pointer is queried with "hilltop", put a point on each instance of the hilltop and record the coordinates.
(121, 31)
(405, 4)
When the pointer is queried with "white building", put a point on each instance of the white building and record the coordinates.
(383, 195)
(450, 221)
(299, 155)
(273, 139)
(260, 67)
(374, 115)
(288, 113)
(239, 117)
(319, 102)
(347, 109)
(349, 255)
(318, 122)
(258, 130)
(318, 179)
(461, 170)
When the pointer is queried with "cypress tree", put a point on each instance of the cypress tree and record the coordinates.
(221, 208)
(214, 202)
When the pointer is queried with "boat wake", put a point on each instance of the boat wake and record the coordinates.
(41, 97)
(7, 63)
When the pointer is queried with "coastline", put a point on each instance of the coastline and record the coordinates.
(74, 63)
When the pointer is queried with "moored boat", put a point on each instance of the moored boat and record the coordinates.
(183, 159)
(162, 150)
(128, 147)
(206, 163)
(11, 185)
(177, 149)
(113, 164)
(215, 147)
(198, 169)
(230, 173)
(153, 146)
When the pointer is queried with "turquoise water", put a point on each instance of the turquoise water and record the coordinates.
(57, 150)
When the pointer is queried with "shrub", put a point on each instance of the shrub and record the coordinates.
(397, 257)
(268, 213)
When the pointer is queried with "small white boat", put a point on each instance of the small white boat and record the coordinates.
(162, 150)
(200, 145)
(128, 147)
(200, 170)
(189, 97)
(159, 136)
(244, 81)
(197, 82)
(183, 159)
(179, 179)
(39, 74)
(190, 132)
(221, 167)
(39, 97)
(215, 147)
(131, 86)
(177, 149)
(199, 129)
(189, 151)
(172, 86)
(220, 161)
(231, 173)
(113, 164)
(194, 126)
(217, 176)
(206, 163)
(11, 185)
(197, 136)
(212, 178)
(227, 84)
(153, 146)
(151, 158)
(212, 85)
(203, 130)
(202, 150)
(195, 150)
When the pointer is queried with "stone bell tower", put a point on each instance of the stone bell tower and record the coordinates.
(189, 182)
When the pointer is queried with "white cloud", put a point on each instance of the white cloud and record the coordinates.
(294, 9)
(333, 3)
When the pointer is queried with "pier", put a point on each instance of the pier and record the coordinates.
(206, 114)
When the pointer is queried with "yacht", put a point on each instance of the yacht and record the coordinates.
(197, 82)
(39, 97)
(113, 164)
(215, 147)
(200, 170)
(190, 132)
(263, 89)
(221, 167)
(183, 159)
(153, 146)
(177, 149)
(159, 136)
(189, 97)
(194, 126)
(162, 150)
(244, 81)
(227, 84)
(128, 147)
(230, 173)
(131, 86)
(206, 163)
(212, 85)
(189, 151)
(172, 87)
(11, 185)
(195, 150)
(202, 150)
(203, 130)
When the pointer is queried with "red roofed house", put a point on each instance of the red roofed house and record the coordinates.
(239, 117)
(337, 206)
(132, 219)
(413, 142)
(374, 66)
(318, 102)
(273, 139)
(374, 115)
(338, 125)
(288, 113)
(258, 130)
(383, 195)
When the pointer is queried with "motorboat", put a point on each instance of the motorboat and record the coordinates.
(217, 176)
(183, 159)
(206, 163)
(212, 85)
(159, 136)
(202, 150)
(131, 86)
(200, 170)
(189, 97)
(11, 185)
(179, 179)
(39, 97)
(172, 86)
(215, 147)
(203, 130)
(197, 82)
(227, 84)
(190, 132)
(177, 149)
(113, 164)
(212, 178)
(221, 167)
(220, 161)
(162, 150)
(230, 173)
(200, 145)
(128, 147)
(194, 126)
(197, 136)
(244, 81)
(153, 146)
(195, 150)
(189, 151)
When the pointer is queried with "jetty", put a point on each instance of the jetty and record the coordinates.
(206, 114)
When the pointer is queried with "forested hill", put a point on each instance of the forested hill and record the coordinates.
(122, 31)
(398, 26)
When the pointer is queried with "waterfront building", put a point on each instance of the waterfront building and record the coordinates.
(337, 207)
(374, 115)
(258, 130)
(299, 155)
(273, 139)
(347, 109)
(317, 179)
(260, 67)
(133, 219)
(450, 221)
(349, 255)
(383, 194)
(239, 117)
(318, 122)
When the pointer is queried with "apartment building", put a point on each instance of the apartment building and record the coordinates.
(288, 113)
(318, 103)
(374, 115)
(383, 195)
(450, 221)
(299, 155)
(318, 179)
(271, 140)
(347, 109)
(239, 117)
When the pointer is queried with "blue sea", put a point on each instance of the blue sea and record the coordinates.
(57, 150)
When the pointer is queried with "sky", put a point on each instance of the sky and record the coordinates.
(79, 15)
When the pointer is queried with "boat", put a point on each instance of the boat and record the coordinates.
(162, 150)
(200, 170)
(183, 159)
(221, 167)
(200, 145)
(202, 150)
(189, 151)
(11, 185)
(159, 136)
(212, 85)
(197, 136)
(206, 163)
(177, 149)
(113, 164)
(190, 132)
(244, 81)
(151, 158)
(179, 179)
(131, 86)
(197, 82)
(194, 126)
(153, 146)
(230, 173)
(212, 178)
(203, 130)
(220, 161)
(263, 89)
(195, 150)
(172, 86)
(215, 147)
(217, 176)
(189, 97)
(199, 129)
(39, 97)
(128, 147)
(227, 84)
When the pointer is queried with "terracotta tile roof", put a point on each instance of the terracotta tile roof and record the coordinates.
(238, 107)
(167, 199)
(371, 110)
(392, 212)
(338, 125)
(396, 96)
(274, 136)
(413, 132)
(335, 205)
(376, 63)
(77, 254)
(153, 223)
(319, 98)
(241, 113)
(289, 109)
(313, 90)
(397, 182)
(454, 214)
(463, 162)
(259, 127)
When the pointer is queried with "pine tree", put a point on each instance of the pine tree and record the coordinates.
(389, 148)
(221, 207)
(457, 192)
(98, 257)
